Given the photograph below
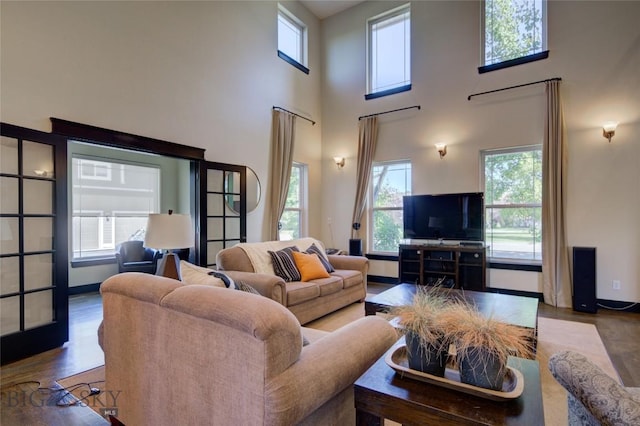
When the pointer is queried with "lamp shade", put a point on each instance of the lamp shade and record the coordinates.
(169, 231)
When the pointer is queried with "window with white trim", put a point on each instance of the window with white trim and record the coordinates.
(292, 39)
(389, 52)
(293, 219)
(390, 181)
(95, 170)
(109, 208)
(513, 29)
(513, 202)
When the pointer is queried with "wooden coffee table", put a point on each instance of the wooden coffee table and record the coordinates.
(517, 310)
(381, 393)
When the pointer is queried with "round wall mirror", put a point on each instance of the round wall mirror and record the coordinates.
(231, 188)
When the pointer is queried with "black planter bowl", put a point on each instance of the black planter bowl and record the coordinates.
(431, 359)
(479, 367)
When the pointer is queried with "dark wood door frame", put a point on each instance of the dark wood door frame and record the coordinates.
(117, 139)
(198, 192)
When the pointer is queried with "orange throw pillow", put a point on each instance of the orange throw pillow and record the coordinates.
(309, 266)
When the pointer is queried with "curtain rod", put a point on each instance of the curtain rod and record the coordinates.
(513, 87)
(387, 112)
(297, 115)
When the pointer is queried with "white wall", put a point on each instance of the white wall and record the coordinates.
(204, 74)
(595, 49)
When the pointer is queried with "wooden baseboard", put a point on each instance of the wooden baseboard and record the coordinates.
(382, 280)
(618, 305)
(81, 289)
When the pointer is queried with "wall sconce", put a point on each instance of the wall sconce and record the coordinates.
(339, 161)
(442, 149)
(609, 129)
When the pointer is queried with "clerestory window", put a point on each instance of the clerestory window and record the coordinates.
(389, 52)
(292, 39)
(513, 32)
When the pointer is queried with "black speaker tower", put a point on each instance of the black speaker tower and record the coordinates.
(584, 279)
(355, 247)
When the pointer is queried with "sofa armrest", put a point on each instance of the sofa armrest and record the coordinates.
(602, 396)
(326, 368)
(355, 263)
(270, 286)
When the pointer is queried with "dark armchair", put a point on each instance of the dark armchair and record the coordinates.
(132, 256)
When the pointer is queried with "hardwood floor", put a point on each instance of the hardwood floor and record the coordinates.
(619, 331)
(23, 403)
(29, 394)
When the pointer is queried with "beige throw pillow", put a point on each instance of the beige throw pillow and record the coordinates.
(193, 274)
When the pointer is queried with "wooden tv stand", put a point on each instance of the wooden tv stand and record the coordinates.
(460, 266)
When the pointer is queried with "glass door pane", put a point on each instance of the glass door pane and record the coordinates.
(9, 155)
(224, 209)
(33, 249)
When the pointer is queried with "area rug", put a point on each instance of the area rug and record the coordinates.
(553, 336)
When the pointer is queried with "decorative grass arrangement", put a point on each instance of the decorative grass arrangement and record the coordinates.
(435, 320)
(483, 345)
(427, 333)
(424, 315)
(471, 329)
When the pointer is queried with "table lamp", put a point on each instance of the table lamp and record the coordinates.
(168, 232)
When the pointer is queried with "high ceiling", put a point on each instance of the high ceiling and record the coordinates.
(325, 8)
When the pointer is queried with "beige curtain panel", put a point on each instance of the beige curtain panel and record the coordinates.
(367, 137)
(555, 254)
(282, 143)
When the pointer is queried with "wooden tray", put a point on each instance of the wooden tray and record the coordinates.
(511, 388)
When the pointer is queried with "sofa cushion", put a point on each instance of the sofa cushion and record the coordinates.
(193, 274)
(300, 291)
(310, 266)
(350, 278)
(283, 264)
(329, 285)
(313, 248)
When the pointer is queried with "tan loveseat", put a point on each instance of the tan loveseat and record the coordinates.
(202, 355)
(250, 262)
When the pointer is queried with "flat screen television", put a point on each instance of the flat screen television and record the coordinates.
(444, 217)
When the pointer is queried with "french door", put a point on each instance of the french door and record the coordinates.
(33, 242)
(223, 209)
